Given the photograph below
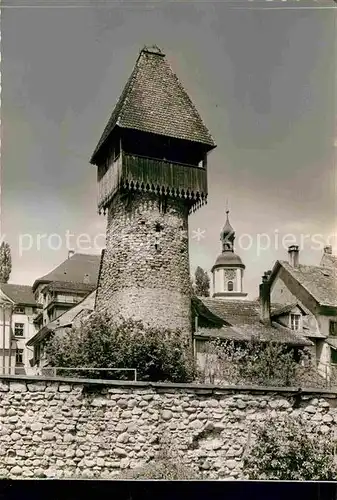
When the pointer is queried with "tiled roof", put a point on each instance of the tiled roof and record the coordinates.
(329, 260)
(319, 281)
(73, 270)
(70, 286)
(284, 309)
(84, 313)
(243, 320)
(234, 311)
(244, 333)
(311, 334)
(332, 342)
(19, 294)
(69, 316)
(154, 101)
(66, 319)
(200, 308)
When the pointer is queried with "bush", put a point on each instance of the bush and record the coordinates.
(166, 465)
(157, 355)
(166, 469)
(286, 450)
(253, 362)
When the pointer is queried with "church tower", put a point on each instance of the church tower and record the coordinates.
(228, 268)
(152, 173)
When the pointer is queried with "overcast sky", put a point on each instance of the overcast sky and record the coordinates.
(262, 80)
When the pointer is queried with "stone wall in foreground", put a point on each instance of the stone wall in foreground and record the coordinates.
(94, 429)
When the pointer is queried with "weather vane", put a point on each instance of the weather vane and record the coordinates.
(227, 210)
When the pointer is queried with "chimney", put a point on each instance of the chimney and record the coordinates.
(265, 299)
(328, 249)
(293, 253)
(70, 253)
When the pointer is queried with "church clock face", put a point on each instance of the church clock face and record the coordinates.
(229, 275)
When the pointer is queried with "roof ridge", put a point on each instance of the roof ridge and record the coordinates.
(129, 87)
(194, 109)
(86, 254)
(14, 284)
(307, 265)
(231, 299)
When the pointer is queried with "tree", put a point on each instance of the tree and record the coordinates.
(287, 450)
(5, 262)
(156, 354)
(202, 282)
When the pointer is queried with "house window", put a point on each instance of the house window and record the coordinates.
(200, 346)
(19, 310)
(333, 356)
(67, 298)
(19, 329)
(333, 328)
(295, 321)
(230, 286)
(19, 357)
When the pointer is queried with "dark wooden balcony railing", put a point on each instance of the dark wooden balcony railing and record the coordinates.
(159, 174)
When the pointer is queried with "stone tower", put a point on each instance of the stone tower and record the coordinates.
(152, 172)
(228, 268)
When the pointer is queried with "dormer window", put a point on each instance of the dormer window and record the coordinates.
(230, 286)
(19, 310)
(295, 322)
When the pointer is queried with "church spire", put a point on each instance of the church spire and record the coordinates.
(227, 235)
(228, 269)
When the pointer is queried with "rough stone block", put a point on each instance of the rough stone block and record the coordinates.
(120, 452)
(166, 414)
(16, 471)
(18, 387)
(36, 426)
(64, 388)
(36, 387)
(48, 436)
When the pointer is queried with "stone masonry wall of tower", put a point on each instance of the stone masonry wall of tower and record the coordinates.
(138, 279)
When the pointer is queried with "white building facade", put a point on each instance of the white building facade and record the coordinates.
(17, 311)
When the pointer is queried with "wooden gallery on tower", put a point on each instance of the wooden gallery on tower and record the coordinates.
(152, 173)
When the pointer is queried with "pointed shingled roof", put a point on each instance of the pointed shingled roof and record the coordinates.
(227, 231)
(154, 101)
